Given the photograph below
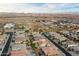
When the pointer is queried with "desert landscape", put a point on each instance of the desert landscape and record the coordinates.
(30, 30)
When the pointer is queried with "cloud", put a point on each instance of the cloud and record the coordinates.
(39, 7)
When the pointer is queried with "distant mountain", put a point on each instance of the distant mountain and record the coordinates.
(7, 14)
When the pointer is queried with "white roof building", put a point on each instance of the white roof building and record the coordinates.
(9, 25)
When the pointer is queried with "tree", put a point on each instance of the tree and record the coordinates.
(40, 30)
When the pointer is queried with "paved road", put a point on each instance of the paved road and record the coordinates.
(7, 45)
(62, 49)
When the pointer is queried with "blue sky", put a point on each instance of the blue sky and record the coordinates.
(40, 7)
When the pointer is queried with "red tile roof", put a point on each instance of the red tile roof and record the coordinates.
(22, 52)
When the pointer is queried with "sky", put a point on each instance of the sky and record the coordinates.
(39, 7)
